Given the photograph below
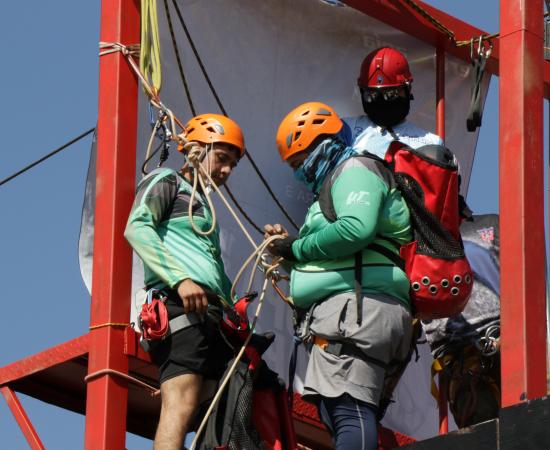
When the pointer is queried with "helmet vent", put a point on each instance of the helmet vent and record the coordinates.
(204, 122)
(190, 130)
(306, 112)
(289, 140)
(301, 123)
(323, 112)
(318, 121)
(297, 135)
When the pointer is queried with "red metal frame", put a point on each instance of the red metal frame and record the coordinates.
(521, 186)
(112, 269)
(22, 419)
(523, 296)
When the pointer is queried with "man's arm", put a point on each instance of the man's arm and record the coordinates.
(358, 195)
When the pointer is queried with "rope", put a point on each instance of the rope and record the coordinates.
(99, 373)
(269, 270)
(450, 34)
(49, 155)
(241, 210)
(178, 59)
(436, 23)
(195, 155)
(149, 61)
(109, 324)
(224, 111)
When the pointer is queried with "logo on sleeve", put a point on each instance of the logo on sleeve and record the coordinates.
(358, 198)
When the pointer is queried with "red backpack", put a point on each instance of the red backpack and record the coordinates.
(440, 275)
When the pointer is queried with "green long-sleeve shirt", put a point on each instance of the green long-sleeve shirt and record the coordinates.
(160, 232)
(367, 209)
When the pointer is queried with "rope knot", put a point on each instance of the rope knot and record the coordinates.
(112, 47)
(194, 152)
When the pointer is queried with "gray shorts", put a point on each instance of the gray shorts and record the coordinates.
(384, 334)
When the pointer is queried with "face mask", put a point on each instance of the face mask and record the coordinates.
(300, 175)
(387, 113)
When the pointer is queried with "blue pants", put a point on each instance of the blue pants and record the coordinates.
(351, 422)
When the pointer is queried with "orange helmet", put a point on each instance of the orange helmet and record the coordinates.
(210, 128)
(303, 125)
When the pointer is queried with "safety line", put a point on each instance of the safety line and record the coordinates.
(49, 155)
(178, 59)
(450, 34)
(92, 376)
(220, 105)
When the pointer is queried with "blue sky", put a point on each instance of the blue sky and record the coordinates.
(49, 81)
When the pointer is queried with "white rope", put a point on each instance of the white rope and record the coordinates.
(195, 155)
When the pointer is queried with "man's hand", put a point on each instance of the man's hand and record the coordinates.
(193, 297)
(281, 247)
(272, 230)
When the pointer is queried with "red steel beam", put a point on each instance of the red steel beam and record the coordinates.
(22, 419)
(44, 360)
(107, 396)
(440, 92)
(523, 302)
(401, 17)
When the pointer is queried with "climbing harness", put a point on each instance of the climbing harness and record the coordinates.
(257, 257)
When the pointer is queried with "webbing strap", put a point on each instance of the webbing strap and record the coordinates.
(358, 285)
(476, 108)
(183, 321)
(339, 348)
(394, 258)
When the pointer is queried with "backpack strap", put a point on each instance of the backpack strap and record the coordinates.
(378, 166)
(370, 162)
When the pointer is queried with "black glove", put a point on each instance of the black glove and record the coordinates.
(283, 247)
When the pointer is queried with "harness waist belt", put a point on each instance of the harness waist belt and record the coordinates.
(339, 348)
(184, 321)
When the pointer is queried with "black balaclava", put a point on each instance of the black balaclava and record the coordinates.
(386, 112)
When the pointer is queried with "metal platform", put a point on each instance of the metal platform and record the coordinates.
(57, 376)
(525, 426)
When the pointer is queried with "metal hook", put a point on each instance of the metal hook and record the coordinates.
(479, 45)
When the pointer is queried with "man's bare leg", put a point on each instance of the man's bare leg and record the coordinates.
(180, 398)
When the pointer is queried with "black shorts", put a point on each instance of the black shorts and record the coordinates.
(199, 349)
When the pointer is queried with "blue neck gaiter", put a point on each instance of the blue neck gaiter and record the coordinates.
(321, 161)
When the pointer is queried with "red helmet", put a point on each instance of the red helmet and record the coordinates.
(384, 67)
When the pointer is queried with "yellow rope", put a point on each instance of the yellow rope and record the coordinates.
(109, 324)
(149, 61)
(436, 23)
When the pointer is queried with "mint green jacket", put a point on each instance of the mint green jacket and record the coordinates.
(368, 209)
